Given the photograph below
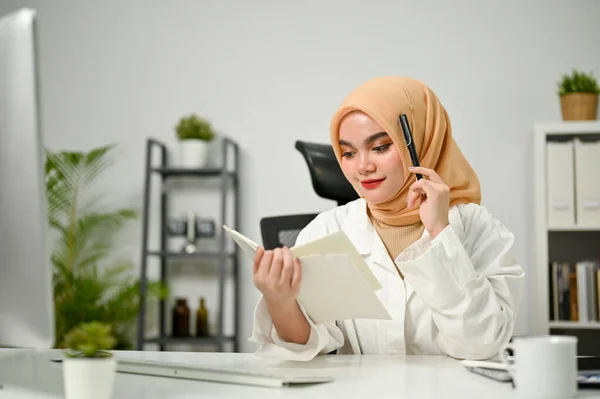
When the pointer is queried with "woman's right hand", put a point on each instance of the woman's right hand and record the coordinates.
(277, 275)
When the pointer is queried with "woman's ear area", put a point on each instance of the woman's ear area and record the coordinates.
(334, 132)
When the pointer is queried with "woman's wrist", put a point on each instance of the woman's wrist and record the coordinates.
(437, 230)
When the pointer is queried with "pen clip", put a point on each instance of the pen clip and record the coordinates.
(403, 120)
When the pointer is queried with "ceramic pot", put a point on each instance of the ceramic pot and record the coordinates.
(89, 378)
(193, 153)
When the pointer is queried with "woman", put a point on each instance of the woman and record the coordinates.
(449, 278)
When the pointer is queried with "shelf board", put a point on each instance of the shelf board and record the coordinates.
(183, 255)
(574, 325)
(569, 127)
(573, 228)
(205, 172)
(191, 340)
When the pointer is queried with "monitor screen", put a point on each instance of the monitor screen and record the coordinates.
(26, 300)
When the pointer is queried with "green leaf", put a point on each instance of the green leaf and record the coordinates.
(194, 127)
(90, 339)
(89, 286)
(95, 164)
(578, 82)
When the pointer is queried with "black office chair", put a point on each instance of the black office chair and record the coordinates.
(326, 175)
(278, 231)
(328, 181)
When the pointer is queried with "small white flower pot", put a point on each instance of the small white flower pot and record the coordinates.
(89, 378)
(193, 153)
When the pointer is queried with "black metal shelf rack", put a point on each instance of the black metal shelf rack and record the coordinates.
(220, 254)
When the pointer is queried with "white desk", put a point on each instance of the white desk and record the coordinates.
(371, 377)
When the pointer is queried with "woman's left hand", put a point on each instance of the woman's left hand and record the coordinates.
(434, 195)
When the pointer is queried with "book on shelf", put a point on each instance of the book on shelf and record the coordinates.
(574, 289)
(331, 269)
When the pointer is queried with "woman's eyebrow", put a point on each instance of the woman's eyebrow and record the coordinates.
(368, 140)
(374, 137)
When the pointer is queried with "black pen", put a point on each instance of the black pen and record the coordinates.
(403, 120)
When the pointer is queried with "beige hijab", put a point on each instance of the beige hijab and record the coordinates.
(384, 99)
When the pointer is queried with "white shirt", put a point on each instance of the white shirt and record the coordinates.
(459, 295)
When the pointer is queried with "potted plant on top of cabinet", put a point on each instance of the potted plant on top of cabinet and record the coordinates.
(578, 96)
(89, 368)
(194, 134)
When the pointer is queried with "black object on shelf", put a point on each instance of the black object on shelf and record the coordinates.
(220, 254)
(202, 319)
(179, 227)
(181, 319)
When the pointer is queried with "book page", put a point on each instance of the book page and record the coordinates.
(335, 243)
(247, 245)
(333, 289)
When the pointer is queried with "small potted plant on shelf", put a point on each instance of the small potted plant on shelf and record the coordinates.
(89, 369)
(578, 96)
(194, 134)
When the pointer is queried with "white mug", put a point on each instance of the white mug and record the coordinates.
(543, 366)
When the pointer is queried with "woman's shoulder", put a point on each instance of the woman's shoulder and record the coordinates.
(477, 221)
(473, 212)
(342, 212)
(332, 220)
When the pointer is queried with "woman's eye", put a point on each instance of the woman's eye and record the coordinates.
(381, 148)
(347, 154)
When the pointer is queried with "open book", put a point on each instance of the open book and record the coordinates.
(336, 284)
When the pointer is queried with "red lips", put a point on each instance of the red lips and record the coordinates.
(371, 183)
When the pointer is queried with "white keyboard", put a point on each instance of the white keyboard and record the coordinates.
(233, 375)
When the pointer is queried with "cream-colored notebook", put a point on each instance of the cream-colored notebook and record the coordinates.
(337, 284)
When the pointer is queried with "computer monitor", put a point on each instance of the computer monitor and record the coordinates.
(26, 299)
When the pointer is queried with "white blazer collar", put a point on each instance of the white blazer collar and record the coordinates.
(363, 235)
(367, 242)
(358, 227)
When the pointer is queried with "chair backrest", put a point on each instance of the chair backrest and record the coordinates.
(278, 231)
(326, 175)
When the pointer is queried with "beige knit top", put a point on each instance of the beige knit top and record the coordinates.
(397, 238)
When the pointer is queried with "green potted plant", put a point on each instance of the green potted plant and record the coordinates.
(194, 134)
(89, 368)
(91, 282)
(578, 96)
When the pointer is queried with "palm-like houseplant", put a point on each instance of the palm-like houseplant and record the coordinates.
(89, 284)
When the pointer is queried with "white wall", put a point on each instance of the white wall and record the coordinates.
(270, 72)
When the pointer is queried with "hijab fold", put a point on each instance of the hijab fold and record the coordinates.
(384, 99)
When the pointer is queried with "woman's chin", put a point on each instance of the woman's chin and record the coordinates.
(374, 198)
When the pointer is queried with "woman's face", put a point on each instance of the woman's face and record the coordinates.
(370, 160)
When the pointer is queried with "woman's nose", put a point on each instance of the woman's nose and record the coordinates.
(365, 165)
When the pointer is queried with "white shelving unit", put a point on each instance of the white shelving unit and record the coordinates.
(556, 239)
